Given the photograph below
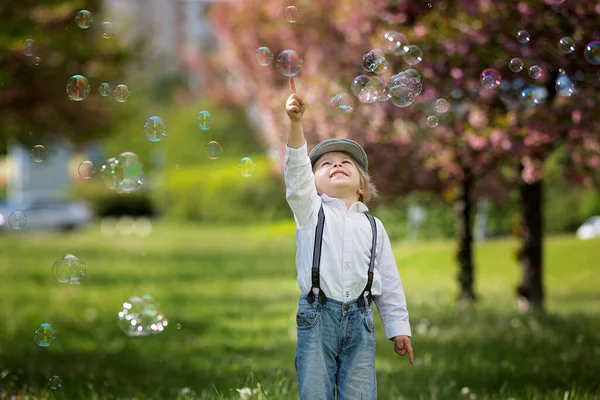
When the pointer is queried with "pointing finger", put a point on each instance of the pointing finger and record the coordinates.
(292, 85)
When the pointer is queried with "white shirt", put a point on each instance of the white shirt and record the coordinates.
(346, 248)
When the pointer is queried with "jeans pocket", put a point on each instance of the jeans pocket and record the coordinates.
(306, 318)
(368, 321)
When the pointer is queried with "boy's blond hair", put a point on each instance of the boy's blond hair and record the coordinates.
(369, 190)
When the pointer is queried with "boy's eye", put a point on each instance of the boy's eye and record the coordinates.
(348, 162)
(325, 163)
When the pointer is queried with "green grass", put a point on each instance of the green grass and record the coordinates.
(234, 293)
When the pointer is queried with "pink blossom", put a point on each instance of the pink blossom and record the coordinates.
(456, 73)
(477, 143)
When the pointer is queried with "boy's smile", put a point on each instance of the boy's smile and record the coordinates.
(336, 175)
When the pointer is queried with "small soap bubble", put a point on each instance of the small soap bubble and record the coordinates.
(413, 55)
(535, 72)
(45, 335)
(566, 45)
(78, 87)
(532, 96)
(289, 63)
(359, 83)
(564, 85)
(442, 106)
(291, 14)
(264, 56)
(205, 120)
(121, 93)
(55, 382)
(38, 153)
(37, 61)
(246, 166)
(155, 129)
(29, 47)
(107, 30)
(86, 169)
(17, 220)
(141, 316)
(402, 96)
(523, 37)
(432, 121)
(592, 52)
(84, 19)
(374, 61)
(104, 89)
(342, 102)
(213, 150)
(69, 269)
(515, 65)
(178, 326)
(490, 78)
(395, 42)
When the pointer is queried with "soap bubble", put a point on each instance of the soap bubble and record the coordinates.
(358, 84)
(413, 55)
(69, 269)
(128, 172)
(107, 173)
(17, 220)
(515, 65)
(246, 166)
(121, 93)
(155, 129)
(84, 19)
(213, 150)
(78, 87)
(264, 56)
(342, 102)
(535, 72)
(44, 335)
(490, 78)
(205, 120)
(432, 121)
(374, 61)
(523, 37)
(566, 45)
(37, 61)
(140, 316)
(442, 106)
(38, 153)
(564, 85)
(104, 89)
(395, 42)
(291, 14)
(289, 63)
(107, 30)
(592, 52)
(29, 47)
(404, 87)
(55, 382)
(533, 96)
(86, 169)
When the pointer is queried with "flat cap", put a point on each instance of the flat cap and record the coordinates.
(344, 145)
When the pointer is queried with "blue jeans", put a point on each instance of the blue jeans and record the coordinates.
(335, 351)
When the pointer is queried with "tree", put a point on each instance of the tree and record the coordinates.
(34, 105)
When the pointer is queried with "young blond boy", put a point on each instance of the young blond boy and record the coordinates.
(344, 261)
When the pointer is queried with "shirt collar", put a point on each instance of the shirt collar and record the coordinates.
(359, 206)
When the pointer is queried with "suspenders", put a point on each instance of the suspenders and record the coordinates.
(310, 297)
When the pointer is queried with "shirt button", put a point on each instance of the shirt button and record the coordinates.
(347, 294)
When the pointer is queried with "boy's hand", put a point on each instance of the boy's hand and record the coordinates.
(294, 105)
(403, 346)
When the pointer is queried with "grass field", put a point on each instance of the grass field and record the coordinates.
(230, 296)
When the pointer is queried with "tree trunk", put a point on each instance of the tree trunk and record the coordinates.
(464, 254)
(530, 291)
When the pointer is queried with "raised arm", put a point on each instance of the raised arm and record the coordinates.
(301, 193)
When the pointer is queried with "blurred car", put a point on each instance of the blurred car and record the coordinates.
(590, 228)
(45, 214)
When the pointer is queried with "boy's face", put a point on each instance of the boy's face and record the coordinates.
(336, 175)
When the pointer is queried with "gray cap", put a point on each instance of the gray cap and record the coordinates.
(344, 145)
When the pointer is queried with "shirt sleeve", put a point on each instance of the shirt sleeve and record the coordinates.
(391, 304)
(300, 190)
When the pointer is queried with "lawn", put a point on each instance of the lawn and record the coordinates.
(230, 296)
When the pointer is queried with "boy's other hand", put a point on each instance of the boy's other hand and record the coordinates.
(403, 346)
(294, 107)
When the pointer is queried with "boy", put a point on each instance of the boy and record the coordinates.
(344, 261)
